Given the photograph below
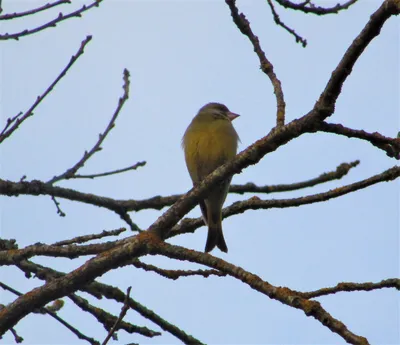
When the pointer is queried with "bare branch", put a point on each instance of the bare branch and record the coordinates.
(17, 338)
(19, 119)
(9, 122)
(284, 295)
(124, 310)
(34, 11)
(278, 21)
(99, 289)
(255, 203)
(114, 172)
(53, 23)
(97, 146)
(48, 311)
(387, 283)
(87, 238)
(266, 66)
(13, 256)
(309, 7)
(158, 202)
(325, 105)
(175, 274)
(341, 171)
(108, 320)
(60, 212)
(151, 240)
(390, 145)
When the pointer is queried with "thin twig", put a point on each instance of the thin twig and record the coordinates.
(278, 21)
(40, 98)
(59, 210)
(87, 238)
(17, 338)
(97, 146)
(52, 23)
(114, 172)
(266, 66)
(9, 122)
(175, 274)
(122, 314)
(387, 283)
(108, 320)
(308, 7)
(33, 11)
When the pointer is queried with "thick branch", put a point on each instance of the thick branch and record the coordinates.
(99, 289)
(46, 310)
(325, 106)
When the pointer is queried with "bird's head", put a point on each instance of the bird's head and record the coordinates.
(216, 111)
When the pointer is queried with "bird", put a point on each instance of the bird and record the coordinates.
(209, 142)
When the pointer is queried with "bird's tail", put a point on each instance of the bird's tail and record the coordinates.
(215, 238)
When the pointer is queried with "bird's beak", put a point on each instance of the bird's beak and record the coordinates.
(232, 116)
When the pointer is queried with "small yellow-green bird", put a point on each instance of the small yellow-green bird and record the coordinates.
(209, 142)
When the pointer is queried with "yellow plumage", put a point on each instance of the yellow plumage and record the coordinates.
(210, 141)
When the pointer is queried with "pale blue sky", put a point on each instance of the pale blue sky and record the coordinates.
(182, 55)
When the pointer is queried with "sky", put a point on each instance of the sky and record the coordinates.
(181, 55)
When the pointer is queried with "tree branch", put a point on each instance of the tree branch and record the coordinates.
(34, 11)
(283, 295)
(266, 66)
(97, 146)
(121, 316)
(17, 120)
(114, 172)
(87, 238)
(278, 22)
(108, 320)
(45, 310)
(309, 7)
(325, 105)
(53, 23)
(99, 289)
(341, 171)
(390, 145)
(188, 225)
(36, 187)
(175, 274)
(387, 283)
